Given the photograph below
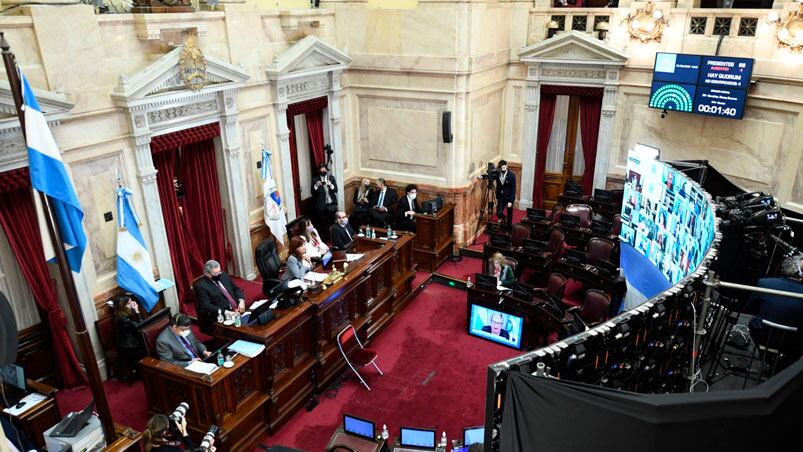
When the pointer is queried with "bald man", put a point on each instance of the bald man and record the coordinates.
(342, 233)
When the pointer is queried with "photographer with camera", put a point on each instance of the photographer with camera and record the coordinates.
(505, 192)
(167, 434)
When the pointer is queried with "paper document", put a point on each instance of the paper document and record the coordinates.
(257, 304)
(31, 400)
(353, 257)
(317, 277)
(201, 367)
(249, 349)
(293, 283)
(501, 287)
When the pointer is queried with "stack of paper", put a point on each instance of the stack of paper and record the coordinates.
(249, 349)
(353, 257)
(201, 367)
(316, 277)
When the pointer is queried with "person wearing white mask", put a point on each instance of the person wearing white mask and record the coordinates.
(177, 345)
(406, 209)
(342, 232)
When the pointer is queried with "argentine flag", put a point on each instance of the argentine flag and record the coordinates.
(275, 218)
(49, 176)
(134, 271)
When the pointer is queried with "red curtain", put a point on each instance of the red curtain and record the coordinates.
(291, 124)
(175, 140)
(308, 106)
(202, 207)
(184, 252)
(18, 218)
(590, 110)
(546, 114)
(315, 132)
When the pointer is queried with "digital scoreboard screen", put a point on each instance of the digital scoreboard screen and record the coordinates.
(708, 85)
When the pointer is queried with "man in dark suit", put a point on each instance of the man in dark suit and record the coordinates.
(216, 292)
(505, 192)
(342, 233)
(324, 192)
(383, 202)
(778, 309)
(406, 209)
(177, 345)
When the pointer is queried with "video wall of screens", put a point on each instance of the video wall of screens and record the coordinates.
(707, 85)
(665, 217)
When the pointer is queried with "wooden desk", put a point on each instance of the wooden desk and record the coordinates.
(433, 238)
(341, 438)
(541, 263)
(233, 398)
(127, 439)
(40, 417)
(301, 356)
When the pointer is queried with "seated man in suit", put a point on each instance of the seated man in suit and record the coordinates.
(342, 233)
(406, 209)
(382, 209)
(778, 309)
(216, 292)
(177, 345)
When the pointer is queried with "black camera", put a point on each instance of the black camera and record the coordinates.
(209, 439)
(491, 172)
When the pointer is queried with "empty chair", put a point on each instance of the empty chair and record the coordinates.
(556, 285)
(354, 353)
(617, 225)
(596, 307)
(269, 263)
(556, 241)
(518, 233)
(557, 209)
(292, 228)
(105, 330)
(598, 248)
(583, 211)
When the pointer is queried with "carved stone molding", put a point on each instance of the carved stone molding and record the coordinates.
(139, 121)
(334, 119)
(173, 113)
(148, 178)
(142, 140)
(570, 73)
(531, 107)
(283, 136)
(608, 112)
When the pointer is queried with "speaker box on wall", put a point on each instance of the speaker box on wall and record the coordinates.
(447, 126)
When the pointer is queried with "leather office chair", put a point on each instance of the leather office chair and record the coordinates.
(556, 241)
(151, 331)
(583, 211)
(617, 225)
(556, 285)
(354, 353)
(595, 308)
(105, 330)
(518, 233)
(269, 264)
(557, 210)
(291, 228)
(598, 248)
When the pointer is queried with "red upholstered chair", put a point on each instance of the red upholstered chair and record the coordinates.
(354, 353)
(105, 329)
(151, 331)
(595, 308)
(583, 211)
(598, 248)
(617, 225)
(556, 285)
(556, 241)
(518, 233)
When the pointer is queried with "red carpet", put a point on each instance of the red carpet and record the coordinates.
(434, 377)
(461, 270)
(127, 403)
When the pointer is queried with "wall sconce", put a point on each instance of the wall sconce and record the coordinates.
(647, 24)
(790, 29)
(552, 27)
(602, 30)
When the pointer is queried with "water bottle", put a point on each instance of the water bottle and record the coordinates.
(469, 284)
(390, 232)
(220, 318)
(220, 359)
(443, 443)
(385, 432)
(238, 320)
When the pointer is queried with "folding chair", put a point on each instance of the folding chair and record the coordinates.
(359, 356)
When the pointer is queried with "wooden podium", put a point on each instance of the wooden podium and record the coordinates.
(233, 399)
(433, 238)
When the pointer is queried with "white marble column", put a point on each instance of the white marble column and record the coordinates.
(606, 123)
(146, 173)
(283, 138)
(336, 136)
(528, 152)
(236, 189)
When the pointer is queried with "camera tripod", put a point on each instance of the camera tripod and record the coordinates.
(488, 200)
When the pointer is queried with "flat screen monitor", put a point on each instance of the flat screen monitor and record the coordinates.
(359, 427)
(500, 240)
(572, 188)
(536, 214)
(486, 281)
(603, 195)
(607, 266)
(601, 227)
(473, 435)
(521, 290)
(495, 326)
(570, 221)
(13, 375)
(575, 257)
(534, 246)
(417, 438)
(326, 259)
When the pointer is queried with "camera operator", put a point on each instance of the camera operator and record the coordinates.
(505, 192)
(164, 435)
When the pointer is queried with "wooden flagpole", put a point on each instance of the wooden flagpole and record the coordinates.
(81, 334)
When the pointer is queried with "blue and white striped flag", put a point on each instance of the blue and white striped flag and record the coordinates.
(275, 217)
(49, 176)
(134, 271)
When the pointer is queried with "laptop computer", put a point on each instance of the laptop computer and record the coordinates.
(473, 435)
(486, 282)
(415, 439)
(359, 427)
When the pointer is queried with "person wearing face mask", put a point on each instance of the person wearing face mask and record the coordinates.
(342, 232)
(361, 213)
(298, 261)
(177, 345)
(505, 193)
(324, 192)
(406, 209)
(215, 291)
(315, 245)
(126, 332)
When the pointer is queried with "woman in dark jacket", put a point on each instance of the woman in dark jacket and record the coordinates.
(159, 437)
(126, 331)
